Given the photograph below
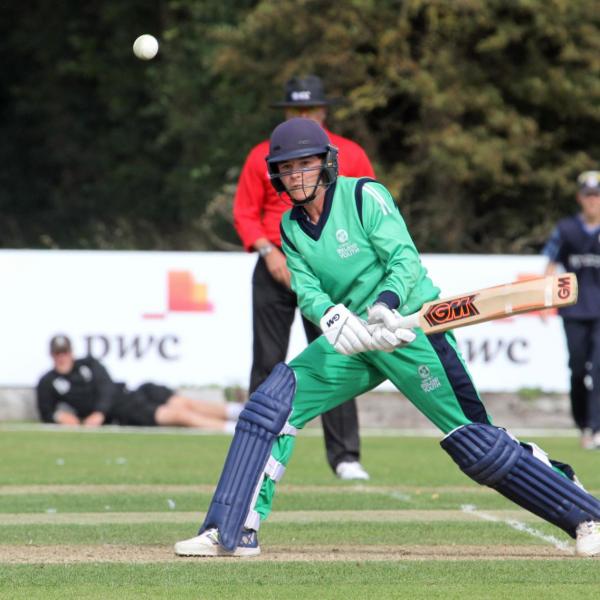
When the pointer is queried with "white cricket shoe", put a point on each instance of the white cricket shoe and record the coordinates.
(351, 470)
(207, 544)
(587, 440)
(588, 538)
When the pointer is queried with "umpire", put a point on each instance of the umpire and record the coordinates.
(257, 215)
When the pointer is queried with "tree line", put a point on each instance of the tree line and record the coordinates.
(477, 114)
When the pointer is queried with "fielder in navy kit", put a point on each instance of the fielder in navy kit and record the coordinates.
(575, 246)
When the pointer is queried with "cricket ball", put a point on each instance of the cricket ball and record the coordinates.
(145, 47)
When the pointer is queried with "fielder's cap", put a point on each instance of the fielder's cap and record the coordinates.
(60, 343)
(296, 138)
(589, 182)
(304, 91)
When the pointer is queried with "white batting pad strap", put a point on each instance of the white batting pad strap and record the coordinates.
(252, 520)
(252, 516)
(288, 429)
(274, 469)
(539, 454)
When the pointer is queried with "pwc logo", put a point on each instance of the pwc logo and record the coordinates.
(184, 294)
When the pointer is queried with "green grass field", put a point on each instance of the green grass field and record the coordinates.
(95, 515)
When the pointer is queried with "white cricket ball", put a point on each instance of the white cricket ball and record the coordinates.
(145, 47)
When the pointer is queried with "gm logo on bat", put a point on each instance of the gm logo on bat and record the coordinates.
(453, 310)
(564, 288)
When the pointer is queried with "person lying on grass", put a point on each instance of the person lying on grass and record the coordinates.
(80, 391)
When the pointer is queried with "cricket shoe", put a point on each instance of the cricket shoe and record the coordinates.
(588, 539)
(208, 544)
(351, 470)
(587, 440)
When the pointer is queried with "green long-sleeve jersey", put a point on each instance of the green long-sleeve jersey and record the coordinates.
(359, 249)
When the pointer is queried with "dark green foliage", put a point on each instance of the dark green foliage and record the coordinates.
(478, 114)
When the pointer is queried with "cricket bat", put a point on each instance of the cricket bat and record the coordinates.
(495, 303)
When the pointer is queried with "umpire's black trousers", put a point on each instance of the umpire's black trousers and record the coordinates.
(273, 310)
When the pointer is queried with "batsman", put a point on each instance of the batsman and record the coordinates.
(357, 273)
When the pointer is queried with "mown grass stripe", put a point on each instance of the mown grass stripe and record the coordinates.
(301, 516)
(282, 488)
(342, 488)
(312, 432)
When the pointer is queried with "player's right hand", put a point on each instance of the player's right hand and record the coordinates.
(346, 332)
(386, 340)
(388, 328)
(381, 313)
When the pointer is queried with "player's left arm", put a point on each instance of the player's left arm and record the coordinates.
(389, 236)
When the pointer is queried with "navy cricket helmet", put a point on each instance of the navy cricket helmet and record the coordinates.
(299, 138)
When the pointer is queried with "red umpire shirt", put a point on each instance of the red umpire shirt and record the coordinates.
(257, 208)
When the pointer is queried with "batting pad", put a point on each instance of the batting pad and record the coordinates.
(262, 420)
(492, 457)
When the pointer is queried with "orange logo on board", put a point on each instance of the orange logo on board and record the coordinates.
(186, 295)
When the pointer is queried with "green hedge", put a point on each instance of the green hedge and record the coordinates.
(478, 114)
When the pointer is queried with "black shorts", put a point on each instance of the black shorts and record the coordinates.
(139, 407)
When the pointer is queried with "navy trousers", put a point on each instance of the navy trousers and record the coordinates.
(583, 341)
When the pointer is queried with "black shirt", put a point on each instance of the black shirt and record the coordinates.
(87, 388)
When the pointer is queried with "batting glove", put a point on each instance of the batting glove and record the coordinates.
(345, 331)
(387, 328)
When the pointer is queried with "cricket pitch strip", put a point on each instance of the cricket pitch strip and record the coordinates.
(118, 553)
